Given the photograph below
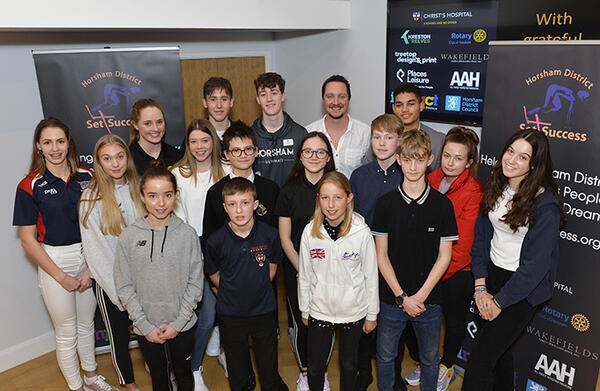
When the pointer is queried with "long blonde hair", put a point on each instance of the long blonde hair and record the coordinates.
(339, 180)
(37, 159)
(102, 188)
(187, 165)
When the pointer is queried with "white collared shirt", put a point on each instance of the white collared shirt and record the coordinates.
(354, 147)
(250, 177)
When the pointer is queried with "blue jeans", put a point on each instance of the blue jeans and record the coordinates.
(206, 312)
(390, 324)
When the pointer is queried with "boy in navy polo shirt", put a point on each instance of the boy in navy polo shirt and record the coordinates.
(414, 227)
(369, 182)
(241, 260)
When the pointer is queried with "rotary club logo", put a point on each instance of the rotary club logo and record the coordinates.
(580, 322)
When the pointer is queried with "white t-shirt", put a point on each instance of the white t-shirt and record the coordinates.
(192, 197)
(354, 147)
(506, 245)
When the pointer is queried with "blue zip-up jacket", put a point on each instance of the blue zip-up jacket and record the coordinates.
(534, 278)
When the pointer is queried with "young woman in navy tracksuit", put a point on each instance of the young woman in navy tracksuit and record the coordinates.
(46, 214)
(514, 255)
(337, 280)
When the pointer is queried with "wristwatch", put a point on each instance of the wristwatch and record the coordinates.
(400, 299)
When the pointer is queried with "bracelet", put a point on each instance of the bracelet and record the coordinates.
(476, 293)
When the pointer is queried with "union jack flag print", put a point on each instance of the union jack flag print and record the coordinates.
(317, 253)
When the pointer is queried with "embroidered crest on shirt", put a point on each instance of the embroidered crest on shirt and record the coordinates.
(350, 256)
(317, 253)
(261, 210)
(84, 184)
(259, 254)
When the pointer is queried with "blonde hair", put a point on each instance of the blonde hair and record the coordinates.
(414, 143)
(187, 165)
(38, 162)
(102, 188)
(338, 179)
(389, 123)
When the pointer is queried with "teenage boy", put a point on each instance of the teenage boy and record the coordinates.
(217, 98)
(241, 260)
(348, 136)
(369, 182)
(239, 145)
(278, 137)
(408, 105)
(414, 227)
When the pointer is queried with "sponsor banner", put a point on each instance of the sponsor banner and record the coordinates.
(92, 91)
(555, 92)
(442, 49)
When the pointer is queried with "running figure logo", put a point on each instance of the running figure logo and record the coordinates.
(558, 99)
(114, 95)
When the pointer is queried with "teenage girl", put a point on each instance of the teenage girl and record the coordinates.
(109, 204)
(46, 214)
(455, 179)
(199, 169)
(146, 136)
(337, 280)
(295, 206)
(158, 276)
(515, 254)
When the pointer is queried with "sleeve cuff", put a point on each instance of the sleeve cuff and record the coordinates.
(305, 315)
(372, 317)
(380, 234)
(145, 327)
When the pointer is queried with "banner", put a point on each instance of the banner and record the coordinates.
(92, 91)
(552, 86)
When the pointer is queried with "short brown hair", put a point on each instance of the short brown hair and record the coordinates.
(217, 83)
(269, 80)
(389, 123)
(414, 143)
(239, 185)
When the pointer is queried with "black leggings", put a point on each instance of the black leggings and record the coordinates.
(490, 365)
(299, 330)
(177, 352)
(117, 324)
(320, 334)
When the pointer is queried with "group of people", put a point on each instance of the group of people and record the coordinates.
(381, 231)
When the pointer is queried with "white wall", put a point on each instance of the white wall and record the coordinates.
(176, 14)
(26, 331)
(306, 60)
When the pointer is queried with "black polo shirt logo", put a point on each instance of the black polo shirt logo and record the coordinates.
(83, 184)
(261, 210)
(259, 254)
(350, 256)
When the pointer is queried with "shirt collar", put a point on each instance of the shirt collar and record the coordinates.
(250, 178)
(420, 199)
(348, 130)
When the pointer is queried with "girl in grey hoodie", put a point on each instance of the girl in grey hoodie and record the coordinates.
(158, 277)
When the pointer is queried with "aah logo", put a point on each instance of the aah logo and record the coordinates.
(555, 370)
(415, 38)
(533, 386)
(465, 80)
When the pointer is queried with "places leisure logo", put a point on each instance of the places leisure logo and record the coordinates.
(114, 93)
(564, 99)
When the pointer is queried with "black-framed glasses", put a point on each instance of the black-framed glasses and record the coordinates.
(237, 152)
(307, 153)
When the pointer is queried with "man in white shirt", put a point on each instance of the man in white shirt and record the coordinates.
(349, 138)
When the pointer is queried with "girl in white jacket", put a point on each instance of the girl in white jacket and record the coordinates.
(337, 280)
(109, 204)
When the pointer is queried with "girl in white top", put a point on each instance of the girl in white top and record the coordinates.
(337, 280)
(109, 204)
(199, 169)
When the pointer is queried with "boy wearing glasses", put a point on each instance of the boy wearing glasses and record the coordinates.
(277, 135)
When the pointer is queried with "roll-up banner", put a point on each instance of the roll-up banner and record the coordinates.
(553, 87)
(92, 91)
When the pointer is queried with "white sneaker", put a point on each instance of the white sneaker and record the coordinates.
(444, 377)
(97, 383)
(223, 362)
(326, 383)
(414, 378)
(302, 382)
(199, 381)
(214, 343)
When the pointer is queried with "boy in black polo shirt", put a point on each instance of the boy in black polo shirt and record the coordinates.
(414, 227)
(241, 259)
